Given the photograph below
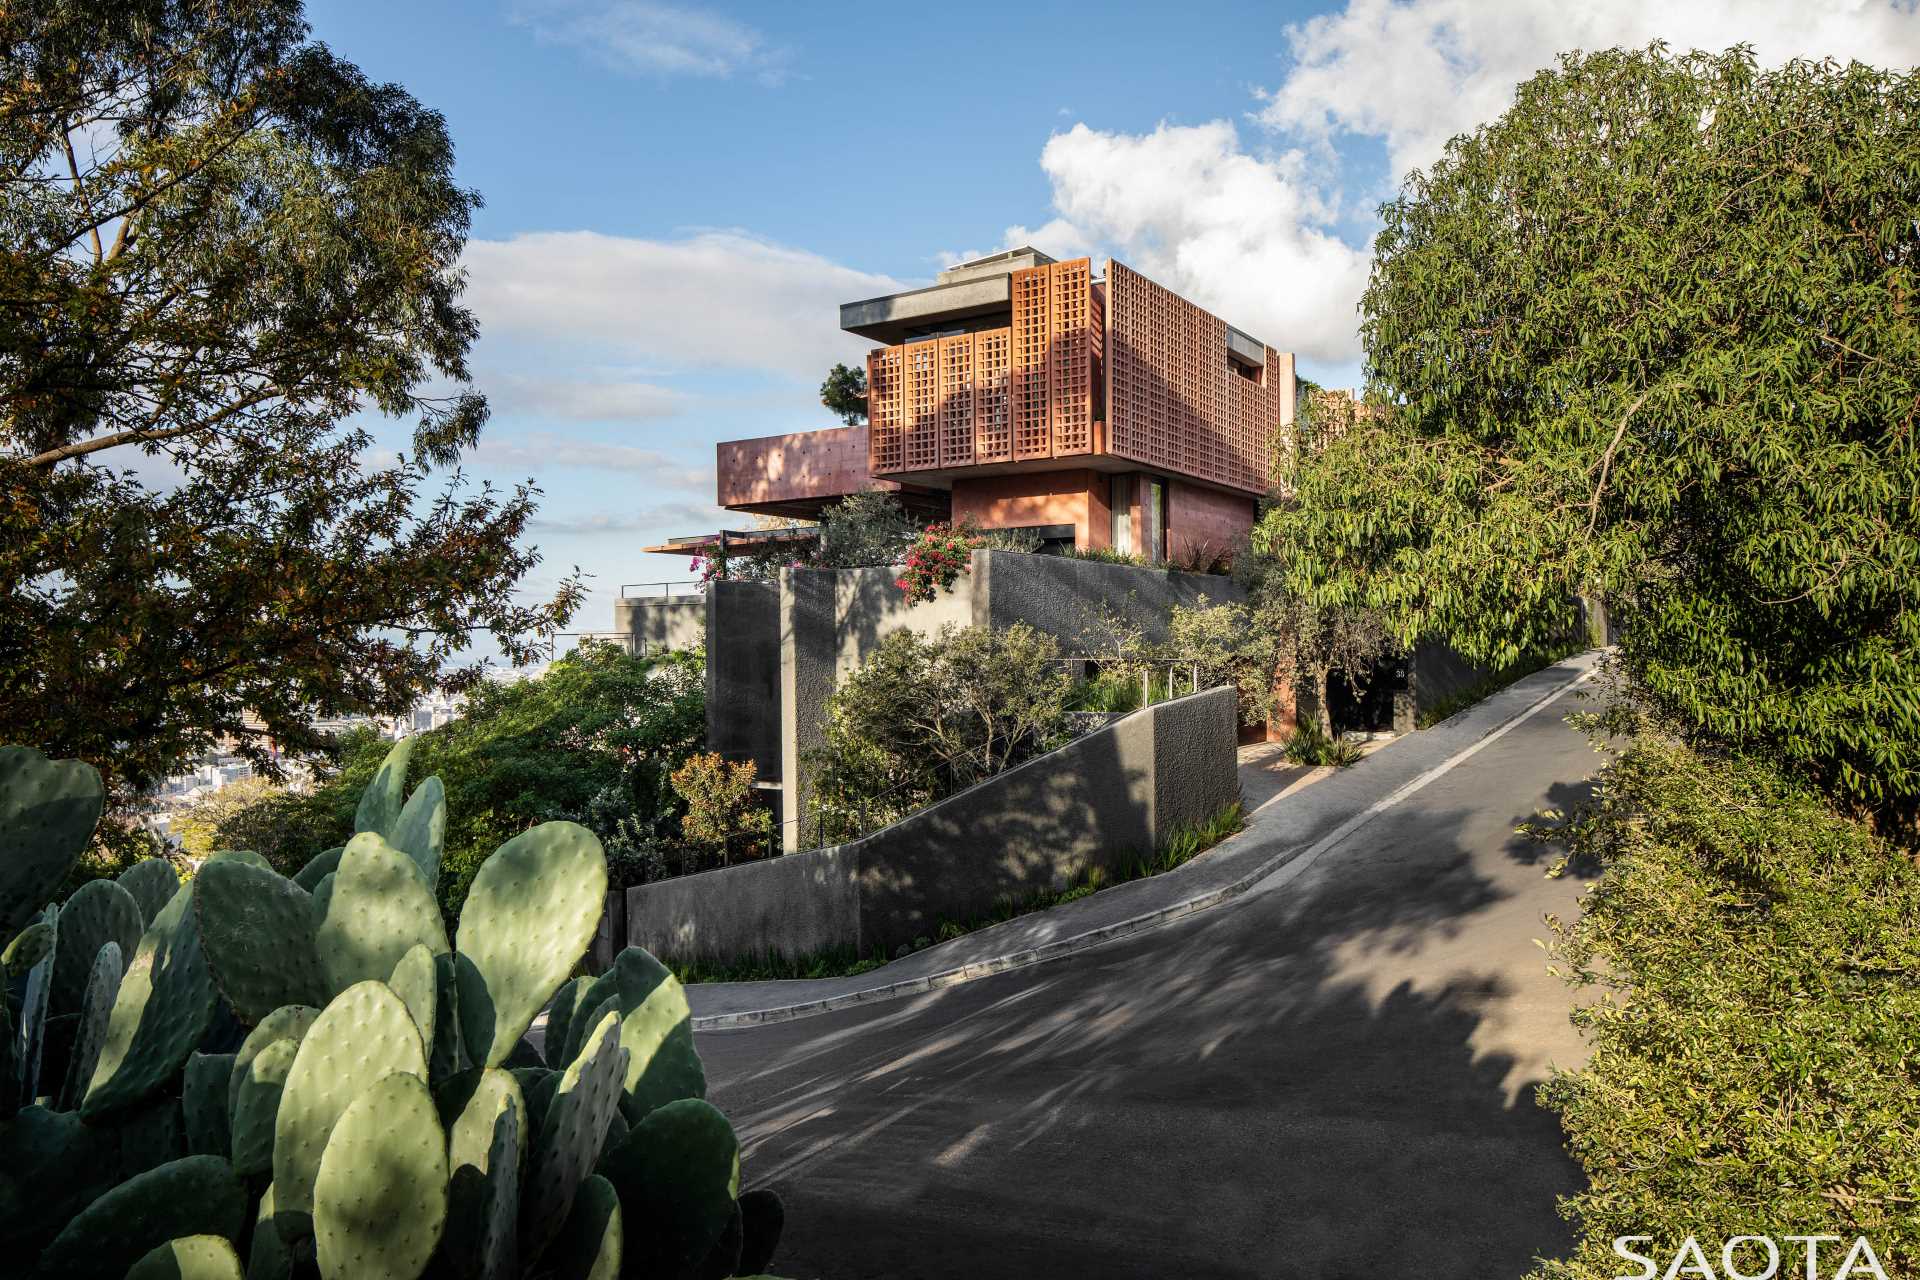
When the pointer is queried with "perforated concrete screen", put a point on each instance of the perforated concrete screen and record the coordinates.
(1032, 433)
(886, 408)
(920, 448)
(993, 395)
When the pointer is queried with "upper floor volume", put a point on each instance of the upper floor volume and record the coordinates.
(1016, 363)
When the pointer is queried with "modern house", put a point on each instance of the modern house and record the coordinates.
(1017, 392)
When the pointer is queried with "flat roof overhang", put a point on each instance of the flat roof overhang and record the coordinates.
(943, 477)
(898, 316)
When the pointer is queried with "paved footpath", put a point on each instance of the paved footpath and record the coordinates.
(1328, 1072)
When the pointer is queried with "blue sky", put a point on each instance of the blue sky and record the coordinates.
(677, 195)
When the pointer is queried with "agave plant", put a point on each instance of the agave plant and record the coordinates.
(309, 1075)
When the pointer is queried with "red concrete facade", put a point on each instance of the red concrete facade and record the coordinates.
(1038, 499)
(1043, 411)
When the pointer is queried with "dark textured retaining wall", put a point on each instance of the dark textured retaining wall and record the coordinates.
(743, 674)
(1101, 800)
(1065, 597)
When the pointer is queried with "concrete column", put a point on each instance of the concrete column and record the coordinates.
(808, 649)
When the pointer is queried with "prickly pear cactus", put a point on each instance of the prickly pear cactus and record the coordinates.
(164, 1006)
(90, 1030)
(678, 1173)
(379, 909)
(420, 831)
(99, 912)
(323, 864)
(380, 1197)
(656, 1029)
(528, 919)
(152, 882)
(589, 1246)
(256, 927)
(198, 1195)
(48, 810)
(585, 1100)
(254, 1106)
(380, 803)
(363, 1035)
(203, 1103)
(414, 982)
(189, 1258)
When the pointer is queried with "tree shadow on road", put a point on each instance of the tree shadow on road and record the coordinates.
(1231, 1096)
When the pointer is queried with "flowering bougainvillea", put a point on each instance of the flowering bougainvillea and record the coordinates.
(936, 559)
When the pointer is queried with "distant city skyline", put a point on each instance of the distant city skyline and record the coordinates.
(679, 195)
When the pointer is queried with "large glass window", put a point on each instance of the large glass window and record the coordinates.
(1120, 499)
(1154, 544)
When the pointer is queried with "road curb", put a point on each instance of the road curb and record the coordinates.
(1061, 948)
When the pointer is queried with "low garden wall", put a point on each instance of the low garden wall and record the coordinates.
(1101, 800)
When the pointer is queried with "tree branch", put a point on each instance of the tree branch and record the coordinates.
(1606, 460)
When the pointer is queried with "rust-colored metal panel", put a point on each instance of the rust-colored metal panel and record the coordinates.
(1069, 356)
(920, 434)
(886, 409)
(956, 400)
(1032, 437)
(993, 395)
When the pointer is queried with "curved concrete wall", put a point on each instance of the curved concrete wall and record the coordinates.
(1101, 800)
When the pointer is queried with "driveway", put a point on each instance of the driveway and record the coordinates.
(1332, 1075)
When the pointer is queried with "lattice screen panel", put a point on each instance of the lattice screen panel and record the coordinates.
(1172, 401)
(921, 437)
(956, 401)
(1031, 435)
(993, 395)
(886, 409)
(1069, 357)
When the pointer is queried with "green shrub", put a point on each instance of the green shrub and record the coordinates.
(284, 826)
(1758, 1020)
(1309, 744)
(719, 796)
(923, 718)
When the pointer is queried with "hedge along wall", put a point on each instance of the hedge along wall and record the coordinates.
(1101, 800)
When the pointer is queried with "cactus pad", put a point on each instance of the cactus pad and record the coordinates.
(413, 981)
(100, 911)
(255, 1105)
(288, 1023)
(33, 1008)
(379, 910)
(566, 1003)
(257, 929)
(198, 1195)
(656, 1029)
(677, 1173)
(190, 1258)
(572, 1132)
(364, 1035)
(29, 947)
(589, 1244)
(163, 1008)
(468, 1103)
(48, 809)
(762, 1218)
(528, 919)
(483, 1201)
(420, 832)
(90, 1032)
(445, 1056)
(380, 803)
(203, 1103)
(323, 864)
(152, 882)
(380, 1199)
(247, 856)
(268, 1258)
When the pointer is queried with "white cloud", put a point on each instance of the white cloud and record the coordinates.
(1241, 234)
(1414, 74)
(712, 300)
(1250, 231)
(539, 450)
(655, 39)
(615, 400)
(693, 516)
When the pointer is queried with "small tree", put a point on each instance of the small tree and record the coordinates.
(844, 393)
(719, 797)
(863, 530)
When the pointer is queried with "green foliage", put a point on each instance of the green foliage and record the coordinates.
(863, 530)
(223, 244)
(1108, 555)
(395, 1146)
(844, 394)
(1756, 1022)
(1309, 744)
(925, 717)
(593, 740)
(935, 561)
(1649, 336)
(720, 800)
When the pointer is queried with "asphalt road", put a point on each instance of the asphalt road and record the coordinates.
(1330, 1078)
